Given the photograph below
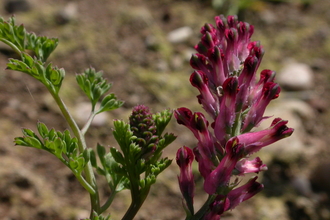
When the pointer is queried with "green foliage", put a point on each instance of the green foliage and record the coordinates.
(12, 35)
(20, 40)
(110, 169)
(50, 76)
(162, 119)
(62, 145)
(98, 217)
(41, 46)
(95, 86)
(127, 168)
(23, 42)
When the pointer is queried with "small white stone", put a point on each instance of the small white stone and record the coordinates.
(187, 53)
(66, 14)
(289, 149)
(281, 106)
(82, 113)
(179, 35)
(296, 76)
(268, 16)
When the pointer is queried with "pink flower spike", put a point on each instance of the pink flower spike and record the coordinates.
(212, 216)
(270, 91)
(232, 20)
(240, 194)
(218, 73)
(249, 70)
(217, 208)
(198, 124)
(221, 23)
(254, 141)
(184, 159)
(220, 176)
(235, 97)
(256, 50)
(226, 117)
(207, 39)
(205, 138)
(233, 199)
(250, 166)
(185, 117)
(200, 62)
(245, 78)
(267, 76)
(205, 165)
(208, 28)
(245, 31)
(199, 80)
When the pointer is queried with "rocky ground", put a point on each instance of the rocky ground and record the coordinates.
(144, 47)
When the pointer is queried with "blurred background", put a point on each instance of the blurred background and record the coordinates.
(144, 47)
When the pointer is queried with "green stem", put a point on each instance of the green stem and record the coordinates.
(137, 200)
(202, 211)
(135, 196)
(138, 195)
(88, 171)
(84, 183)
(108, 202)
(80, 178)
(88, 123)
(13, 46)
(236, 130)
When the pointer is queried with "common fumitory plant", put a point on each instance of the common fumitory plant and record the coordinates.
(235, 100)
(138, 161)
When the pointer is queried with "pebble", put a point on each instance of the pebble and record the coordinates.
(296, 76)
(162, 66)
(180, 35)
(271, 208)
(151, 43)
(268, 16)
(302, 185)
(66, 14)
(300, 108)
(177, 62)
(82, 113)
(187, 53)
(320, 177)
(290, 149)
(13, 6)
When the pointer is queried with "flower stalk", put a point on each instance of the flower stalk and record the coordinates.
(88, 170)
